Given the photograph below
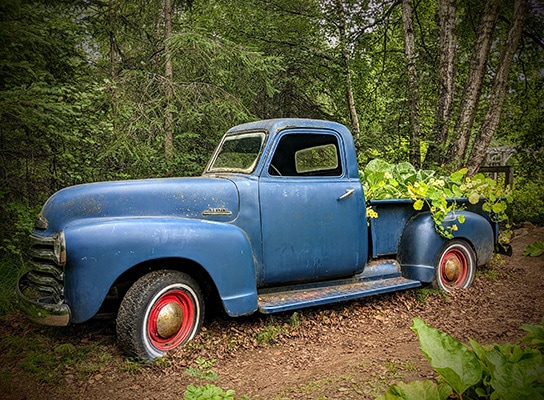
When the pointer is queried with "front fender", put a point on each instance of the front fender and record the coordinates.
(98, 253)
(420, 242)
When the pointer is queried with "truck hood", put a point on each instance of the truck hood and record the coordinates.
(213, 199)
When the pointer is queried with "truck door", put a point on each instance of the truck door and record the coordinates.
(310, 210)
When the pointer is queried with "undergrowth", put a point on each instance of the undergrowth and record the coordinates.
(509, 371)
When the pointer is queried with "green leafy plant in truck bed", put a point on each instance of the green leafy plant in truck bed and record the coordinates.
(382, 180)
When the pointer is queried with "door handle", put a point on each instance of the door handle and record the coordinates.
(348, 193)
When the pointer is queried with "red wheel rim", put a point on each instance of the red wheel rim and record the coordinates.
(179, 309)
(454, 269)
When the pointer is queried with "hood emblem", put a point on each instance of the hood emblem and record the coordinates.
(217, 211)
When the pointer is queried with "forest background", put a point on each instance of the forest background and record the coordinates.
(95, 90)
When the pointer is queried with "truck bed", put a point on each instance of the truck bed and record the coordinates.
(393, 214)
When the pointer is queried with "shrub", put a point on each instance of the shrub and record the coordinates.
(484, 372)
(208, 392)
(528, 202)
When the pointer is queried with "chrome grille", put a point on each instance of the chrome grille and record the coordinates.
(46, 276)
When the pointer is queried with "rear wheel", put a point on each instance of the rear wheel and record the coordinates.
(160, 312)
(455, 266)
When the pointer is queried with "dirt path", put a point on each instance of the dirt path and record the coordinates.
(348, 351)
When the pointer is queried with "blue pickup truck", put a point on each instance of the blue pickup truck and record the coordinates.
(276, 222)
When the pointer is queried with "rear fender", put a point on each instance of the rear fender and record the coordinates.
(420, 242)
(97, 254)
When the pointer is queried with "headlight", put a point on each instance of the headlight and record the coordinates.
(59, 248)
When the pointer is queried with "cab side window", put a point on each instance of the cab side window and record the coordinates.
(306, 155)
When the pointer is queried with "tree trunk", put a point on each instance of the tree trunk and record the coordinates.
(355, 128)
(492, 118)
(473, 85)
(168, 77)
(413, 84)
(446, 85)
(113, 66)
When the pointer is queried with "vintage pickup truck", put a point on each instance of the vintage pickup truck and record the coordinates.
(275, 223)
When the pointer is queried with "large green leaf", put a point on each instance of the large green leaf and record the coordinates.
(513, 372)
(535, 335)
(417, 390)
(455, 362)
(535, 249)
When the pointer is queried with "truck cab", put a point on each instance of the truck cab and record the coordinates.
(301, 201)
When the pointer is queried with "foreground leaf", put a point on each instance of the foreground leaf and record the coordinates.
(417, 390)
(535, 249)
(513, 372)
(455, 362)
(535, 335)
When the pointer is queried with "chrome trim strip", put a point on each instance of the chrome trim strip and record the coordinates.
(217, 211)
(52, 285)
(42, 240)
(49, 269)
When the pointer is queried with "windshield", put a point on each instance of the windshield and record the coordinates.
(238, 153)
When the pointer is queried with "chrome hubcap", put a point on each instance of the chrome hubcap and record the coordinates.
(169, 320)
(452, 268)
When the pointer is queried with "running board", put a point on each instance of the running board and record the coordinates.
(308, 295)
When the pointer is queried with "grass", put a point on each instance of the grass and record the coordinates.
(203, 370)
(348, 385)
(11, 267)
(271, 332)
(422, 294)
(273, 329)
(42, 358)
(490, 271)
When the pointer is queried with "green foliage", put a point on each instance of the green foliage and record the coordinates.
(294, 320)
(45, 360)
(451, 359)
(18, 219)
(487, 372)
(535, 249)
(82, 90)
(270, 333)
(383, 180)
(535, 335)
(11, 268)
(424, 293)
(510, 372)
(422, 390)
(203, 370)
(528, 201)
(208, 392)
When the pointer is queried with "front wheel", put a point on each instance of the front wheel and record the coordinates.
(161, 311)
(455, 266)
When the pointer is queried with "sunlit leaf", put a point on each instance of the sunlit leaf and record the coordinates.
(418, 205)
(535, 249)
(474, 198)
(417, 390)
(449, 357)
(458, 176)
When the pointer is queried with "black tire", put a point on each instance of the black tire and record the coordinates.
(455, 266)
(161, 311)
